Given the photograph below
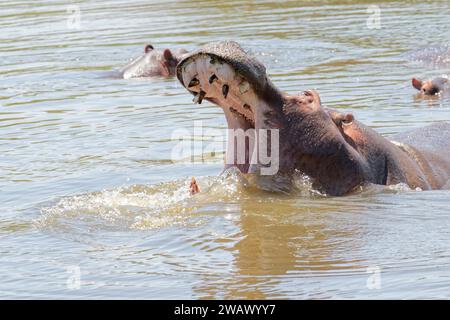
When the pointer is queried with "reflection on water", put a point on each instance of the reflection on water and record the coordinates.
(87, 178)
(252, 244)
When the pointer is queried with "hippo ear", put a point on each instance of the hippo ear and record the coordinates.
(148, 48)
(168, 54)
(417, 83)
(165, 63)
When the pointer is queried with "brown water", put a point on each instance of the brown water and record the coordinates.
(88, 183)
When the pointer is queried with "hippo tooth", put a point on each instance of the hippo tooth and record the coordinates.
(202, 94)
(196, 98)
(243, 87)
(212, 78)
(194, 82)
(199, 97)
(225, 90)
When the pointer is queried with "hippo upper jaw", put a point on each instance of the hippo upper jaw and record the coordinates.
(225, 75)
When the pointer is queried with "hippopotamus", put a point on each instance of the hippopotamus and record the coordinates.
(432, 87)
(153, 63)
(435, 56)
(336, 151)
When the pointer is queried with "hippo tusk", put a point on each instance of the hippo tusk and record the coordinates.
(199, 97)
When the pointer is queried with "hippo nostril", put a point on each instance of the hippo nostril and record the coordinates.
(225, 90)
(308, 93)
(194, 82)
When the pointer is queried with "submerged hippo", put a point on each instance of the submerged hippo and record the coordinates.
(334, 149)
(435, 56)
(432, 87)
(153, 63)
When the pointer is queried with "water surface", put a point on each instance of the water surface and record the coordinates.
(87, 178)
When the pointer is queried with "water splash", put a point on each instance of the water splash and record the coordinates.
(143, 207)
(130, 207)
(139, 207)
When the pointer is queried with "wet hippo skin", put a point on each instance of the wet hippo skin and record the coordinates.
(334, 149)
(153, 63)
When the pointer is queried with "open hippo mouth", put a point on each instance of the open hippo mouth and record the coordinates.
(308, 137)
(225, 75)
(274, 123)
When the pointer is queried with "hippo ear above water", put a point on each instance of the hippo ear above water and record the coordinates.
(167, 57)
(417, 83)
(167, 54)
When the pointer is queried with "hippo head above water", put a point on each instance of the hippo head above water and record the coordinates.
(335, 150)
(431, 87)
(153, 63)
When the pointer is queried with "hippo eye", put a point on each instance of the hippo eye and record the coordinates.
(348, 119)
(347, 122)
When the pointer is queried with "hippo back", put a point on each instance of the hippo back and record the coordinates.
(437, 56)
(433, 143)
(433, 138)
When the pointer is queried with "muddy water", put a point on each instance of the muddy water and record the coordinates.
(89, 185)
